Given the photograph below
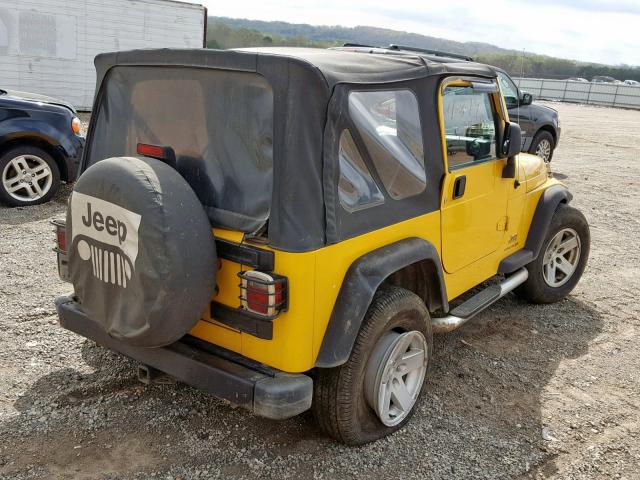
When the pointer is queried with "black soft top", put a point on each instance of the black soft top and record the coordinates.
(334, 65)
(309, 90)
(338, 66)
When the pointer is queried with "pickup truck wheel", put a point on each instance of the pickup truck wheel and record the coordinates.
(558, 268)
(28, 176)
(375, 393)
(543, 145)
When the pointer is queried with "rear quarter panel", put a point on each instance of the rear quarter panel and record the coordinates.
(315, 279)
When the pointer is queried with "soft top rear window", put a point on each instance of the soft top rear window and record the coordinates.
(219, 123)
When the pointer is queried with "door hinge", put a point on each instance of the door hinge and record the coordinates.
(503, 223)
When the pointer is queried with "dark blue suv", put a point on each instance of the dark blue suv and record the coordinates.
(40, 146)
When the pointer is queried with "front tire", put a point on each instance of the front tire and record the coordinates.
(562, 259)
(28, 176)
(543, 145)
(376, 391)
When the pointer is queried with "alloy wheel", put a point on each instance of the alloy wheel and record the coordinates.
(561, 257)
(543, 150)
(27, 178)
(395, 374)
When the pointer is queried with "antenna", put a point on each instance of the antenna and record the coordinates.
(520, 81)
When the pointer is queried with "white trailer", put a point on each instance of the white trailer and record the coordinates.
(48, 46)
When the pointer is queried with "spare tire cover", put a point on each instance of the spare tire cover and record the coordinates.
(142, 255)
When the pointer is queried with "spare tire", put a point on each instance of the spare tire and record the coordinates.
(142, 255)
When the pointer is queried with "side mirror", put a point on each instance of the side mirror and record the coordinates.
(525, 98)
(511, 102)
(511, 140)
(510, 147)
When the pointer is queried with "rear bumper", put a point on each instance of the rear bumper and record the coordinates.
(266, 392)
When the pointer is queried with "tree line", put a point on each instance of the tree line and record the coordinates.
(222, 36)
(229, 33)
(541, 66)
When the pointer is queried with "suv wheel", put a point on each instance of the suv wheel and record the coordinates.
(28, 176)
(543, 145)
(375, 393)
(562, 259)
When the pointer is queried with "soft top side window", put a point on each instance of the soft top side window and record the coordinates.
(388, 122)
(470, 125)
(356, 188)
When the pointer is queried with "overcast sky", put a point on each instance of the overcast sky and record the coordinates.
(589, 30)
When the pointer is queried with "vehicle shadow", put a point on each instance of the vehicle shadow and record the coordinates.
(491, 379)
(482, 416)
(57, 206)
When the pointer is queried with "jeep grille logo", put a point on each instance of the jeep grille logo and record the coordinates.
(108, 237)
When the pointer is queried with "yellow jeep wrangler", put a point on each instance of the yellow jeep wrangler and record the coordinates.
(287, 228)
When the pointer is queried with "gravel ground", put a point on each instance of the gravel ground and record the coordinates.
(522, 391)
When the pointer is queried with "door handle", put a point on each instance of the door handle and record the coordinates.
(459, 186)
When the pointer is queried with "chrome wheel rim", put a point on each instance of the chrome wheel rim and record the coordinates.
(27, 178)
(543, 150)
(561, 257)
(395, 374)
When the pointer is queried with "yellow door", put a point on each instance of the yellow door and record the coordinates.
(474, 203)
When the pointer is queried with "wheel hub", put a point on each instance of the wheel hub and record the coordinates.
(561, 257)
(395, 374)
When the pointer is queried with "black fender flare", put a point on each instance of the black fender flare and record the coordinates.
(360, 283)
(547, 206)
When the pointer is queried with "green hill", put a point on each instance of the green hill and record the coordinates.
(360, 34)
(226, 32)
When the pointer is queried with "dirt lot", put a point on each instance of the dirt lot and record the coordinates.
(521, 392)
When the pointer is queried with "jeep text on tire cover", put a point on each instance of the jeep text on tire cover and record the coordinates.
(103, 225)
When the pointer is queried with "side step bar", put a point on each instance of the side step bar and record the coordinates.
(464, 312)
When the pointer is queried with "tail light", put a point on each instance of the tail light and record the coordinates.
(61, 248)
(160, 152)
(263, 293)
(61, 236)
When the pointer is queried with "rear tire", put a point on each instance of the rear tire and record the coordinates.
(543, 145)
(342, 403)
(557, 270)
(28, 176)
